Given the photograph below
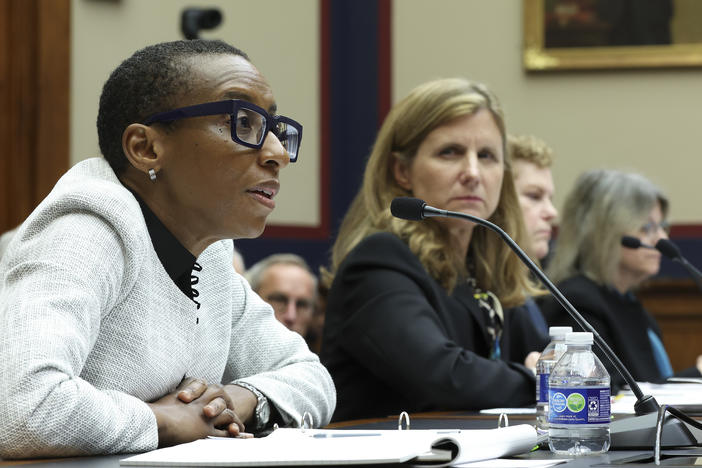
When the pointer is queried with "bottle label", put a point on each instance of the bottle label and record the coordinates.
(542, 388)
(581, 405)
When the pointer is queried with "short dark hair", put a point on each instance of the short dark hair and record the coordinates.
(148, 82)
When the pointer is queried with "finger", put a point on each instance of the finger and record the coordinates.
(227, 420)
(234, 430)
(244, 435)
(191, 389)
(219, 432)
(223, 392)
(531, 359)
(215, 407)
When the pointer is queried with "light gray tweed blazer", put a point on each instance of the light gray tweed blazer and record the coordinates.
(92, 326)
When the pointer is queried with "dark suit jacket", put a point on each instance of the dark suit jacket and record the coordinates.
(620, 320)
(523, 333)
(394, 340)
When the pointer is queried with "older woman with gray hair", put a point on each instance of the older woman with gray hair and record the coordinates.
(599, 276)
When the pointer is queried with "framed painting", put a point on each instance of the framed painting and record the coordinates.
(605, 34)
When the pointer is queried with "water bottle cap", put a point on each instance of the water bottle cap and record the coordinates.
(579, 338)
(559, 331)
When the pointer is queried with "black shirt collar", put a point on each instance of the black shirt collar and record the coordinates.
(175, 258)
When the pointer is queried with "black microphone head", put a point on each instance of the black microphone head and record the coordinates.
(631, 242)
(408, 208)
(668, 249)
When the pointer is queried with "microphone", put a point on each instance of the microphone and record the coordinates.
(408, 208)
(670, 250)
(634, 243)
(667, 248)
(635, 432)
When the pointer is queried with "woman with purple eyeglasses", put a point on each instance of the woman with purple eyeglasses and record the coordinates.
(125, 327)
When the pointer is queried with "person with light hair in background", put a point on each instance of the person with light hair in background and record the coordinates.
(599, 276)
(414, 318)
(286, 282)
(532, 159)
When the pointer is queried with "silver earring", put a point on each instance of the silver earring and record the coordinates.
(152, 174)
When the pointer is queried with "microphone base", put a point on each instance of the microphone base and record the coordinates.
(639, 433)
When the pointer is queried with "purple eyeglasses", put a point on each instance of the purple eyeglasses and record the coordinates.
(249, 123)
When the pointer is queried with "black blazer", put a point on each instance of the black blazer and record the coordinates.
(394, 340)
(620, 320)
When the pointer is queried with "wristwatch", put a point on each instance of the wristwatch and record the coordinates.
(262, 413)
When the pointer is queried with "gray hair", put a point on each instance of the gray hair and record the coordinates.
(602, 207)
(254, 275)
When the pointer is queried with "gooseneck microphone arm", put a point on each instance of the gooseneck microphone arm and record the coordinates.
(670, 250)
(638, 432)
(416, 210)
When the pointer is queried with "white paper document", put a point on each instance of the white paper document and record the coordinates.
(692, 380)
(514, 463)
(293, 447)
(528, 410)
(674, 394)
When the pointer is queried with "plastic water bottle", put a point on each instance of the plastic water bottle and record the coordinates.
(549, 356)
(579, 403)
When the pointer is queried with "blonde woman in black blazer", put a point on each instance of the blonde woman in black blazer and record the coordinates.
(414, 314)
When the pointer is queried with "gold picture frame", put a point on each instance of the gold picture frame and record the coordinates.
(537, 57)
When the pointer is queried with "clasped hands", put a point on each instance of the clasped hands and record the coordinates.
(197, 409)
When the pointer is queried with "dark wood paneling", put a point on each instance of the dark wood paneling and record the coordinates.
(4, 114)
(34, 116)
(22, 108)
(677, 306)
(53, 92)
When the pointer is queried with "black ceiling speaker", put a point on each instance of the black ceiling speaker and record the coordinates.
(194, 20)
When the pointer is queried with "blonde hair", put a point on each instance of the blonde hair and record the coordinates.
(602, 207)
(530, 149)
(427, 107)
